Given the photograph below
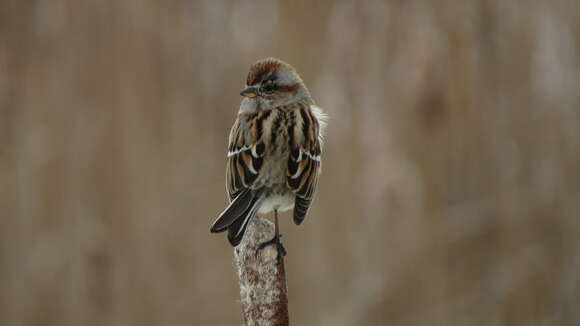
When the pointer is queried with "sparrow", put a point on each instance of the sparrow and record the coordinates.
(274, 153)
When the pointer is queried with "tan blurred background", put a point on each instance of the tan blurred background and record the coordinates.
(451, 185)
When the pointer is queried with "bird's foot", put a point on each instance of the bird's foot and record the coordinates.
(276, 240)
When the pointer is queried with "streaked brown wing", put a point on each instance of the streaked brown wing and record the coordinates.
(245, 156)
(304, 161)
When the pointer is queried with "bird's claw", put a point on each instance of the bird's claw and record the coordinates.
(280, 250)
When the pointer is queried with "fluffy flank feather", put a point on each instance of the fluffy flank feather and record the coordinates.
(322, 120)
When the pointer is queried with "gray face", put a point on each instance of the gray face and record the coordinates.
(281, 87)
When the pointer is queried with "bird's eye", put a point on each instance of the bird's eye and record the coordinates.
(268, 87)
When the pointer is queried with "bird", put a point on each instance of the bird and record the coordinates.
(274, 153)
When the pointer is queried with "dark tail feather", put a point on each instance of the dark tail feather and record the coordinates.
(234, 211)
(301, 206)
(238, 228)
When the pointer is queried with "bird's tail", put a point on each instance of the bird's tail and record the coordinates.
(237, 215)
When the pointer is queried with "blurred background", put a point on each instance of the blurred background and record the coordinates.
(451, 186)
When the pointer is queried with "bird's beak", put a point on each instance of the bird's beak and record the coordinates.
(249, 92)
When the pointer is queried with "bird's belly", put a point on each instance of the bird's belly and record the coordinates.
(272, 181)
(281, 202)
(272, 178)
(273, 171)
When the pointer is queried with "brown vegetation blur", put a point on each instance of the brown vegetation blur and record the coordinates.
(451, 186)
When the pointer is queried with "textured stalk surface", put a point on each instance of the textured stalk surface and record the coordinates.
(262, 281)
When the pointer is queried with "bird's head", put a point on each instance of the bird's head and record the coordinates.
(271, 83)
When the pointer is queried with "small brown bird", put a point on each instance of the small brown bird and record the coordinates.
(273, 159)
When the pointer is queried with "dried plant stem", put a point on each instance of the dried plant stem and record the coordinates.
(262, 280)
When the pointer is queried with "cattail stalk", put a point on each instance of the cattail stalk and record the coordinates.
(262, 280)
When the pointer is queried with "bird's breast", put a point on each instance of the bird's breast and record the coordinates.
(275, 136)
